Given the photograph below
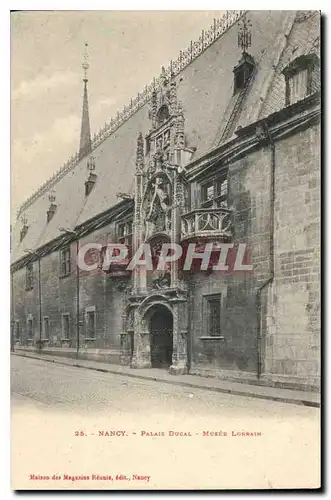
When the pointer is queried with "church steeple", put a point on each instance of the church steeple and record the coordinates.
(85, 133)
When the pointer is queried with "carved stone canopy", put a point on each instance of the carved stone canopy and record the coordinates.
(163, 104)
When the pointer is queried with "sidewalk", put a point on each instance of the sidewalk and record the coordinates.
(196, 382)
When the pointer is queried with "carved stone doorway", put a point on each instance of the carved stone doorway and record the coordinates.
(161, 337)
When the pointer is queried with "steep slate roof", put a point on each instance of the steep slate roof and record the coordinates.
(303, 38)
(205, 87)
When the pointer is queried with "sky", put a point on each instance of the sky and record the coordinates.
(126, 50)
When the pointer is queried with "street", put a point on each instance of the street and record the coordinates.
(70, 421)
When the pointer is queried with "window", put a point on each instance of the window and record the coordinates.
(65, 262)
(214, 193)
(46, 327)
(17, 331)
(29, 277)
(50, 212)
(89, 184)
(124, 233)
(243, 72)
(239, 81)
(23, 232)
(302, 78)
(66, 326)
(162, 115)
(214, 315)
(163, 140)
(29, 325)
(90, 324)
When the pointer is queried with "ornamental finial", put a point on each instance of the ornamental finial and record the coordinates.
(85, 64)
(163, 76)
(51, 196)
(244, 35)
(91, 163)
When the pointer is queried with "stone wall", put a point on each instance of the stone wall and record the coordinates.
(236, 355)
(289, 319)
(287, 313)
(59, 296)
(292, 350)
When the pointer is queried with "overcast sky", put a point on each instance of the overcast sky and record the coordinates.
(126, 50)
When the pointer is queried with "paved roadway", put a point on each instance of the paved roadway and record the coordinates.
(257, 443)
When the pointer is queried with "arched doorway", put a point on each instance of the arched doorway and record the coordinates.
(161, 325)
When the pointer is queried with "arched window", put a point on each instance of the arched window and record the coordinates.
(162, 115)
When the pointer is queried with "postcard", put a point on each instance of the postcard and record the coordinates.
(165, 250)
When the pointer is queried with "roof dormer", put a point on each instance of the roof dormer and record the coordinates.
(302, 78)
(245, 67)
(52, 208)
(92, 177)
(24, 228)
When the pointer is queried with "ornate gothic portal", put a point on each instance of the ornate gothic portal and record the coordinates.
(158, 302)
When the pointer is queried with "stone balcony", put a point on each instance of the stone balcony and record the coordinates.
(207, 224)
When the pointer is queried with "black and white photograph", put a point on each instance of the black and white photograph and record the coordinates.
(165, 240)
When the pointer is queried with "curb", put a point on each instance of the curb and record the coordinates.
(235, 392)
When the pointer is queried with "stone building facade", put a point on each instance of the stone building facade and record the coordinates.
(223, 148)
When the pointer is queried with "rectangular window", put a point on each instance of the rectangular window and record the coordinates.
(124, 232)
(65, 262)
(65, 326)
(214, 193)
(209, 192)
(90, 324)
(223, 189)
(298, 86)
(214, 315)
(17, 331)
(46, 327)
(239, 81)
(121, 231)
(29, 326)
(29, 277)
(301, 78)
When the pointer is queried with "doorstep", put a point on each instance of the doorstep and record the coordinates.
(305, 398)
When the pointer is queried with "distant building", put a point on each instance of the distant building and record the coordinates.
(223, 147)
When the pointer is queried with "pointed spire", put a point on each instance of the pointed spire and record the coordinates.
(85, 134)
